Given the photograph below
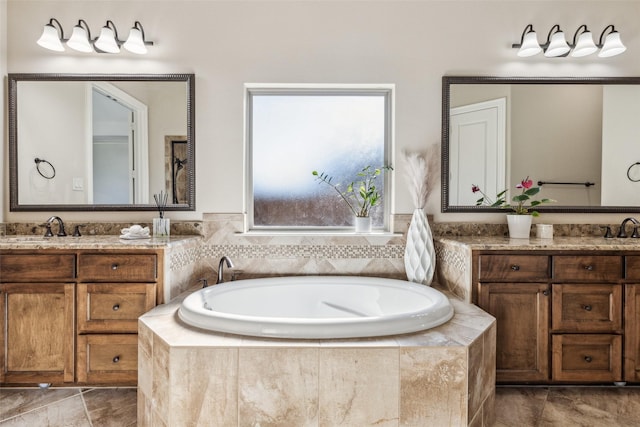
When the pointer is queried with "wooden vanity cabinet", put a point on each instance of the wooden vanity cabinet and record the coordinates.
(71, 316)
(37, 318)
(114, 289)
(562, 316)
(632, 320)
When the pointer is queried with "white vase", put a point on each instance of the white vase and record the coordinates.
(419, 254)
(363, 224)
(519, 226)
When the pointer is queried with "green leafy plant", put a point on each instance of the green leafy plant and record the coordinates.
(519, 206)
(361, 195)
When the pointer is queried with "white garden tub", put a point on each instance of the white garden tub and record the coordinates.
(316, 307)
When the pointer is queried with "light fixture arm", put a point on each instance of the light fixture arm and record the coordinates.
(527, 29)
(86, 27)
(111, 25)
(58, 27)
(584, 29)
(613, 30)
(138, 25)
(551, 32)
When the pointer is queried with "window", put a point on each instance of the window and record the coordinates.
(292, 131)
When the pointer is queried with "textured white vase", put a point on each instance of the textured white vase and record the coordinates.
(519, 226)
(419, 254)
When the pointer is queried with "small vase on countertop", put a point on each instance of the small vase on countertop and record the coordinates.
(363, 224)
(519, 226)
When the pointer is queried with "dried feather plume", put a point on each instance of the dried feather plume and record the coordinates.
(421, 172)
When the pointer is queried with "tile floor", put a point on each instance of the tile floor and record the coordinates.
(515, 406)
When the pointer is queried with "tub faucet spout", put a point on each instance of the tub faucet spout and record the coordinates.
(223, 260)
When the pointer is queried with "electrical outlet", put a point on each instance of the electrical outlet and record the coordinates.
(78, 184)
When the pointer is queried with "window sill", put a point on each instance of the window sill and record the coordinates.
(323, 233)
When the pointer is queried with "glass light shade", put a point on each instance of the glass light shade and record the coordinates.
(612, 46)
(584, 46)
(135, 42)
(50, 39)
(530, 45)
(79, 40)
(558, 45)
(107, 41)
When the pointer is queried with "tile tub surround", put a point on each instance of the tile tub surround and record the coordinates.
(443, 376)
(453, 255)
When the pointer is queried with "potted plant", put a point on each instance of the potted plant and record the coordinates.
(519, 221)
(360, 195)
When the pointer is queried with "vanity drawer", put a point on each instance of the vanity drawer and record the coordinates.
(37, 267)
(633, 267)
(587, 357)
(587, 308)
(113, 307)
(587, 268)
(105, 359)
(117, 267)
(513, 268)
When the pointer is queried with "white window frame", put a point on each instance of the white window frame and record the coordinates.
(386, 90)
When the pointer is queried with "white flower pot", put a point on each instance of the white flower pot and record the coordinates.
(363, 224)
(519, 226)
(419, 254)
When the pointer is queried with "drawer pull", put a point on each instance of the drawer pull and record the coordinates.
(545, 292)
(515, 267)
(116, 359)
(588, 267)
(114, 266)
(588, 359)
(587, 307)
(116, 307)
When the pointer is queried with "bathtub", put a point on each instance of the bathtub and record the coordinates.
(316, 307)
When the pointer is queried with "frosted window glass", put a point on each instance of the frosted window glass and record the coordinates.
(293, 135)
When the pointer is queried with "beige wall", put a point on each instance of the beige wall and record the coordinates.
(229, 43)
(4, 163)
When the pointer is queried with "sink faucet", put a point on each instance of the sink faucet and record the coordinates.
(622, 233)
(223, 260)
(61, 232)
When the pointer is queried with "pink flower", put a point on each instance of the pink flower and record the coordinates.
(475, 188)
(525, 183)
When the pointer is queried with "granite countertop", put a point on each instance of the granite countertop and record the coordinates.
(91, 242)
(557, 243)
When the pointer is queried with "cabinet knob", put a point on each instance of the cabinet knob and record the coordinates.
(587, 307)
(545, 292)
(588, 359)
(114, 266)
(515, 267)
(116, 307)
(116, 359)
(588, 267)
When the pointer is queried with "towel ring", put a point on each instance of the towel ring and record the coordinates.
(629, 172)
(47, 171)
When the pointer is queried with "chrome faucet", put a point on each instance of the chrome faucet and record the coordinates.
(622, 233)
(223, 260)
(61, 232)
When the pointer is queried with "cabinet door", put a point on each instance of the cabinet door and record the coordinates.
(632, 334)
(522, 318)
(38, 332)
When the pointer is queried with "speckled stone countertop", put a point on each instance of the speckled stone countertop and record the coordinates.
(557, 243)
(90, 242)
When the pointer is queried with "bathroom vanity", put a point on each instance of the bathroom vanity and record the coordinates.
(567, 309)
(70, 307)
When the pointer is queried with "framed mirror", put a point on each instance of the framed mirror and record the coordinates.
(101, 142)
(577, 138)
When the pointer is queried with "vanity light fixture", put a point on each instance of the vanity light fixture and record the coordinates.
(583, 44)
(108, 42)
